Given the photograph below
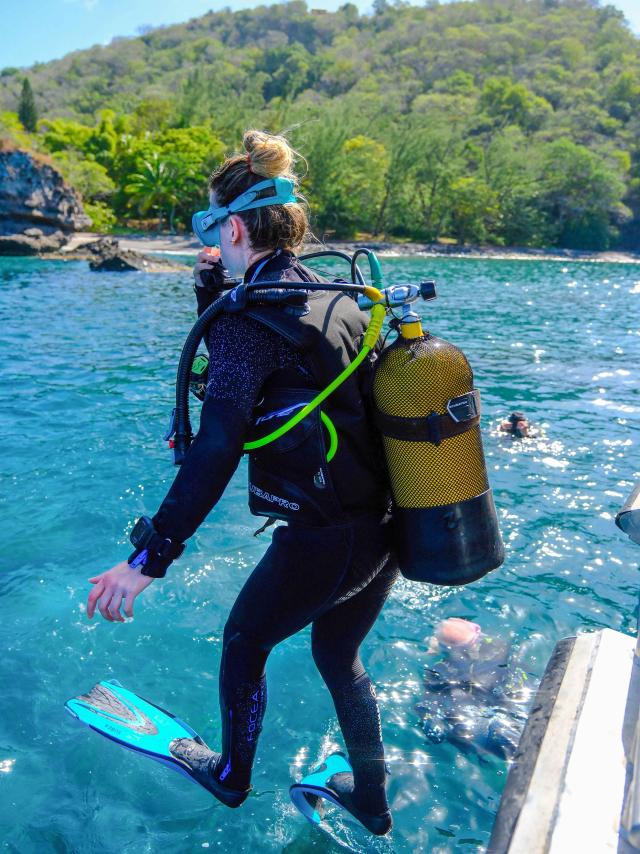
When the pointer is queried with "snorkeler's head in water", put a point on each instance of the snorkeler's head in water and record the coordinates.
(517, 425)
(454, 633)
(457, 632)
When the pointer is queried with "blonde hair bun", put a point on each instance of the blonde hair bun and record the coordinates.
(270, 155)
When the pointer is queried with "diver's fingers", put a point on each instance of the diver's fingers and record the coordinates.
(95, 594)
(104, 602)
(206, 262)
(114, 606)
(128, 605)
(198, 268)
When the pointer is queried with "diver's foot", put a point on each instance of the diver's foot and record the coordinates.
(201, 764)
(342, 785)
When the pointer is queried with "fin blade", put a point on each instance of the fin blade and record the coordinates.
(122, 716)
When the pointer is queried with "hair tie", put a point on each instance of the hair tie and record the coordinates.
(249, 163)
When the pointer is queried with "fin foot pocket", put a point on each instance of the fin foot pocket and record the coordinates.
(200, 763)
(332, 781)
(342, 785)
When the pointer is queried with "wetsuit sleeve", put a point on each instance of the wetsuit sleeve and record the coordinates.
(207, 469)
(243, 353)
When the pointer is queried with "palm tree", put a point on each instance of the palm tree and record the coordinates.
(154, 188)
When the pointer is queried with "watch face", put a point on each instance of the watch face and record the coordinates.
(141, 531)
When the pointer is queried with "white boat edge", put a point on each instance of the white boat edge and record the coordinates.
(571, 787)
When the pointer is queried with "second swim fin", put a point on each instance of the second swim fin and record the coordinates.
(332, 781)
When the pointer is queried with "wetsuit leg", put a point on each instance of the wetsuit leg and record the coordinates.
(304, 573)
(243, 700)
(336, 638)
(296, 577)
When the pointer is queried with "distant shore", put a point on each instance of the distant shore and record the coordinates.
(168, 244)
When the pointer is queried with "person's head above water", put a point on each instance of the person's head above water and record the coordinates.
(517, 424)
(247, 235)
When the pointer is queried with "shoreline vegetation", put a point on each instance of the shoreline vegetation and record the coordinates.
(498, 123)
(167, 245)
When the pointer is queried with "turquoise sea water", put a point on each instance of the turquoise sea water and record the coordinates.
(86, 380)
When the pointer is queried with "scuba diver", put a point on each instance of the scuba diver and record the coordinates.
(474, 698)
(332, 564)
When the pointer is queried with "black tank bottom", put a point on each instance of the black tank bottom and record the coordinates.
(338, 579)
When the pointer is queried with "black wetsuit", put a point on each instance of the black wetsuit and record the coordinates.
(476, 698)
(335, 577)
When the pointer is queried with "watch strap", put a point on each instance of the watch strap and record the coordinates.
(155, 554)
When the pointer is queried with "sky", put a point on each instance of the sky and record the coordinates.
(40, 30)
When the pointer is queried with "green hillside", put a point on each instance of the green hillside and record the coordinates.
(500, 121)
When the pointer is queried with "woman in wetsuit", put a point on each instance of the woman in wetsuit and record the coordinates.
(331, 565)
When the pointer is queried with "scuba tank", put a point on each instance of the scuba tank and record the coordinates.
(428, 414)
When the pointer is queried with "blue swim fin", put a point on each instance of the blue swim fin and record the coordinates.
(135, 723)
(332, 781)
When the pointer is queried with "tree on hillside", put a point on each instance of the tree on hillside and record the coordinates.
(358, 177)
(582, 194)
(472, 208)
(440, 165)
(511, 103)
(27, 111)
(154, 188)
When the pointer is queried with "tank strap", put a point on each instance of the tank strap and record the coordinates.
(463, 413)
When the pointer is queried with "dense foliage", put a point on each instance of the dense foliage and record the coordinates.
(503, 121)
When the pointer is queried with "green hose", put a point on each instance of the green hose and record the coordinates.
(370, 338)
(333, 435)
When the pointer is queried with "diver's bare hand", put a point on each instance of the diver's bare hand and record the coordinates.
(205, 261)
(119, 584)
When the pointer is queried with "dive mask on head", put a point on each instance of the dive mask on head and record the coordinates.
(273, 191)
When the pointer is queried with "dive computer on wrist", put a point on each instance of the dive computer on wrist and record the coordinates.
(153, 553)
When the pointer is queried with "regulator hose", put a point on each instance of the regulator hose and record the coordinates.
(181, 423)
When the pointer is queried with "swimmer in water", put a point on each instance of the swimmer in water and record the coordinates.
(474, 698)
(517, 425)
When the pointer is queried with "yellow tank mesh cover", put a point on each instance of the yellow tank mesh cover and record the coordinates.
(413, 379)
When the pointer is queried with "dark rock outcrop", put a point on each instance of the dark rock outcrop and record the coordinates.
(106, 255)
(37, 209)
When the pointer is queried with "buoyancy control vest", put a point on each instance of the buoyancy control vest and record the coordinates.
(328, 468)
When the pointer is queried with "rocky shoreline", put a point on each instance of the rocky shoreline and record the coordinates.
(166, 244)
(152, 253)
(38, 210)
